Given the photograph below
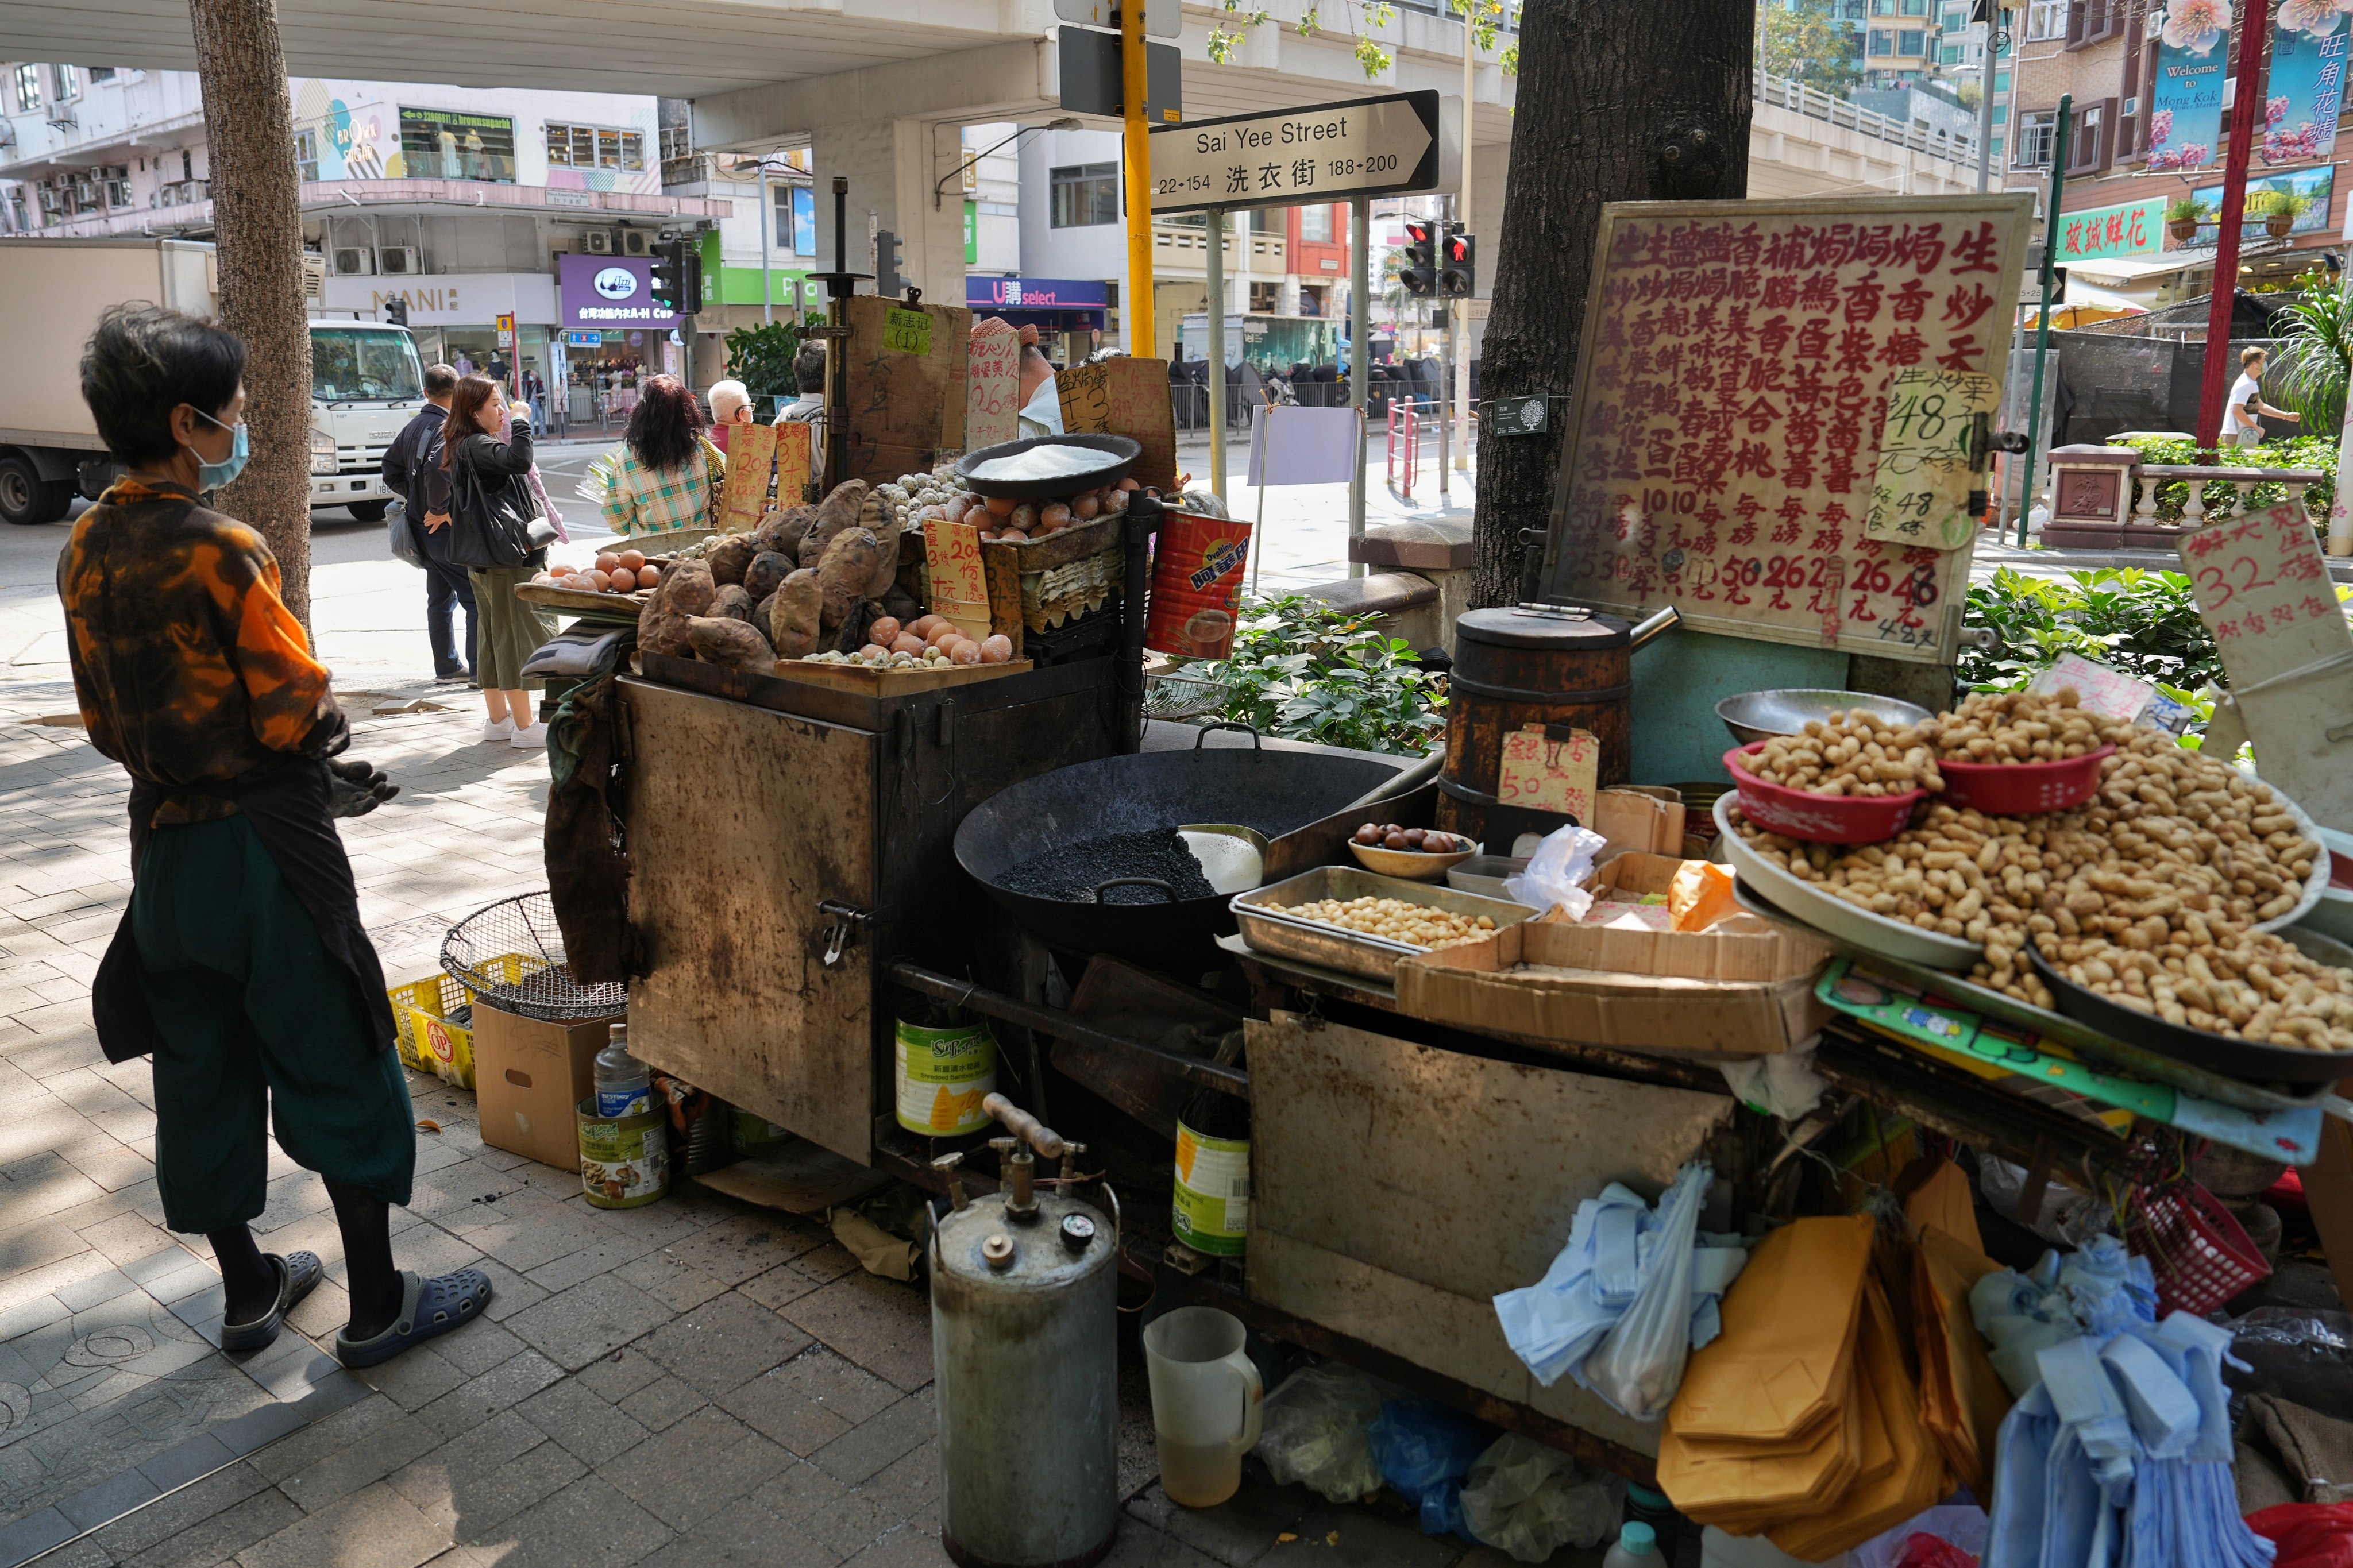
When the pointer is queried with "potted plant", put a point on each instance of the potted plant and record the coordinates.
(2182, 216)
(2278, 209)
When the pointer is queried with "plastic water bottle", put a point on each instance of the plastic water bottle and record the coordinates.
(1636, 1547)
(624, 1087)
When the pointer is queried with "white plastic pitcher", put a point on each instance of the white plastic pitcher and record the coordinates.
(1206, 1402)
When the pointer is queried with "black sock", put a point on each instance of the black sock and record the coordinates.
(248, 1280)
(367, 1223)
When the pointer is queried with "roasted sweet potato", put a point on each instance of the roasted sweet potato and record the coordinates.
(835, 514)
(768, 569)
(886, 562)
(732, 601)
(685, 591)
(849, 564)
(719, 639)
(796, 614)
(730, 556)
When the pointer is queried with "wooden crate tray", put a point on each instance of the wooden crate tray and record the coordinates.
(869, 681)
(582, 601)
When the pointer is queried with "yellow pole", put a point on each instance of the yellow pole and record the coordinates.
(1138, 153)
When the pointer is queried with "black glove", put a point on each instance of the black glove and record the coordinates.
(354, 789)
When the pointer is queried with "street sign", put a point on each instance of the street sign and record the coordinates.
(1322, 152)
(506, 331)
(1093, 82)
(1162, 18)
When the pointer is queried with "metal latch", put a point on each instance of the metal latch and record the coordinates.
(843, 933)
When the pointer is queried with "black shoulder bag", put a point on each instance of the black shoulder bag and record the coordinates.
(495, 524)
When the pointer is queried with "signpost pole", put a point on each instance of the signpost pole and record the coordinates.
(1217, 354)
(1994, 18)
(1459, 348)
(1360, 331)
(1137, 157)
(2254, 25)
(2042, 327)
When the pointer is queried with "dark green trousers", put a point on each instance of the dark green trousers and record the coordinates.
(258, 1025)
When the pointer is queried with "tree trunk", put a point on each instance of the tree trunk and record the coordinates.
(257, 228)
(1618, 101)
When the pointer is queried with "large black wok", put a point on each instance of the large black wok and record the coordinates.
(1273, 792)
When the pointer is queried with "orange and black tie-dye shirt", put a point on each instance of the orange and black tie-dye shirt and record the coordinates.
(189, 666)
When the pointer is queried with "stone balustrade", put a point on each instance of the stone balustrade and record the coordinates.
(2194, 510)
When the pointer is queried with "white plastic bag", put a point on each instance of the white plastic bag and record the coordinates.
(1786, 1085)
(1639, 1367)
(1312, 1431)
(1528, 1500)
(1561, 862)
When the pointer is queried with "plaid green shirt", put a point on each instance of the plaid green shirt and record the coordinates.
(640, 500)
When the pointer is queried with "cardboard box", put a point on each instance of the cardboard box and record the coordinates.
(1487, 985)
(530, 1077)
(1639, 817)
(1740, 948)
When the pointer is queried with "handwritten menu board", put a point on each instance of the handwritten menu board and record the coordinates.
(751, 456)
(906, 386)
(992, 402)
(1732, 397)
(1928, 457)
(1541, 773)
(959, 582)
(1125, 398)
(2265, 594)
(795, 444)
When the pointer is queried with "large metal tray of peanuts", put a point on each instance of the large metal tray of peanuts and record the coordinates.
(1263, 914)
(1873, 934)
(2071, 1035)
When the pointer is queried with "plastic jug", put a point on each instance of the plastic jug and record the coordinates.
(1206, 1402)
(1636, 1547)
(624, 1087)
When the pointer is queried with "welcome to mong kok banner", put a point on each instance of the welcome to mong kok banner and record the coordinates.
(2185, 122)
(2306, 84)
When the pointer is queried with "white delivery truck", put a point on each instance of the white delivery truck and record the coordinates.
(364, 379)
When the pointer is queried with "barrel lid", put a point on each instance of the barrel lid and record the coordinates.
(1506, 626)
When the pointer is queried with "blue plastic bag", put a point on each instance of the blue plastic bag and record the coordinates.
(1423, 1448)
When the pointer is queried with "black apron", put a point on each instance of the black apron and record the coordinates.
(287, 804)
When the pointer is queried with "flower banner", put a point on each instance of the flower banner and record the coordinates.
(2185, 120)
(2307, 85)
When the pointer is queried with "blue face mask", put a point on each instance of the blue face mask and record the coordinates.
(212, 476)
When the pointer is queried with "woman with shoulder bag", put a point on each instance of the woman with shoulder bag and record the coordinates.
(476, 483)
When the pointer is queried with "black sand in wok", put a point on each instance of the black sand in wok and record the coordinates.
(1071, 871)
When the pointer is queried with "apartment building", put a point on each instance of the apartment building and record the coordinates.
(1901, 42)
(2112, 234)
(464, 203)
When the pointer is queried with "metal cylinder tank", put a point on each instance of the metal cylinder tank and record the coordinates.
(1024, 1347)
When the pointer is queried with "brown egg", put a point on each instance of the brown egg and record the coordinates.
(608, 561)
(602, 579)
(906, 642)
(874, 650)
(1000, 506)
(997, 650)
(945, 632)
(954, 508)
(1055, 514)
(649, 576)
(1129, 485)
(1013, 536)
(633, 559)
(964, 652)
(885, 630)
(922, 626)
(1085, 507)
(621, 580)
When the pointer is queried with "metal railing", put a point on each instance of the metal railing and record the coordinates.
(1813, 104)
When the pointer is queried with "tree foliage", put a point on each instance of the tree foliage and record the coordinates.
(1804, 41)
(761, 359)
(2315, 339)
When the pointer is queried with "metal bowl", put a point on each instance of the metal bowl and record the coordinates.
(1761, 715)
(1118, 453)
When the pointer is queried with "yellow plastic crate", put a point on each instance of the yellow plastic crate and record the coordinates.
(422, 1011)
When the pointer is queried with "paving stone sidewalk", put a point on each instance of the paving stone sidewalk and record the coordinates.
(698, 1382)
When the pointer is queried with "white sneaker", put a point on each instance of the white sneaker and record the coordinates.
(530, 739)
(498, 728)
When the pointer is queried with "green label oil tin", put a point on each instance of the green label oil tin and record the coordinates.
(1212, 1212)
(624, 1159)
(943, 1075)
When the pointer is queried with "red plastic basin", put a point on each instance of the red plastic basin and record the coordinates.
(1819, 818)
(2025, 789)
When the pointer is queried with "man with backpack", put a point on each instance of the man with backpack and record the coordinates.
(445, 580)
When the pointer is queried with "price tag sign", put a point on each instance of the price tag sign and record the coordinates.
(907, 332)
(959, 580)
(1922, 492)
(751, 456)
(793, 461)
(2108, 693)
(1547, 769)
(992, 389)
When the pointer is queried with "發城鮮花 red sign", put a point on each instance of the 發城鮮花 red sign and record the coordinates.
(1733, 401)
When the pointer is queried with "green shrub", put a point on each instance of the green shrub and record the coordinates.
(1304, 671)
(2143, 623)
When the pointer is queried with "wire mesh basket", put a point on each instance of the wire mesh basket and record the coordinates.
(511, 956)
(1173, 695)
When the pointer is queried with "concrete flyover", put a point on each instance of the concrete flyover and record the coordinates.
(1804, 143)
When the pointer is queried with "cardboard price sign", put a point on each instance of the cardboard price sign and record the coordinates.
(2108, 693)
(795, 441)
(1125, 398)
(992, 389)
(959, 580)
(1928, 457)
(1546, 768)
(751, 457)
(2265, 594)
(1735, 392)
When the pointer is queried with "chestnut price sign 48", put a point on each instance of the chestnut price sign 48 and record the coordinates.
(1322, 152)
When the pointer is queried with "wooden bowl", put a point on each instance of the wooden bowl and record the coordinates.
(1409, 864)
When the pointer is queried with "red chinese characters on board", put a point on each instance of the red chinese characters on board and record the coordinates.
(1736, 396)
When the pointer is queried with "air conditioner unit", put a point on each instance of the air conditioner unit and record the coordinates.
(355, 261)
(637, 242)
(399, 260)
(599, 242)
(314, 276)
(61, 116)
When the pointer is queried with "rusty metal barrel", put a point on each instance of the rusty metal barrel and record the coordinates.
(1542, 665)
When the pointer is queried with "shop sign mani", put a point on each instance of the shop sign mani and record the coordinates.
(1735, 396)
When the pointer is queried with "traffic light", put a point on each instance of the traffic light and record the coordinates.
(1456, 279)
(668, 282)
(689, 285)
(1419, 273)
(889, 281)
(395, 311)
